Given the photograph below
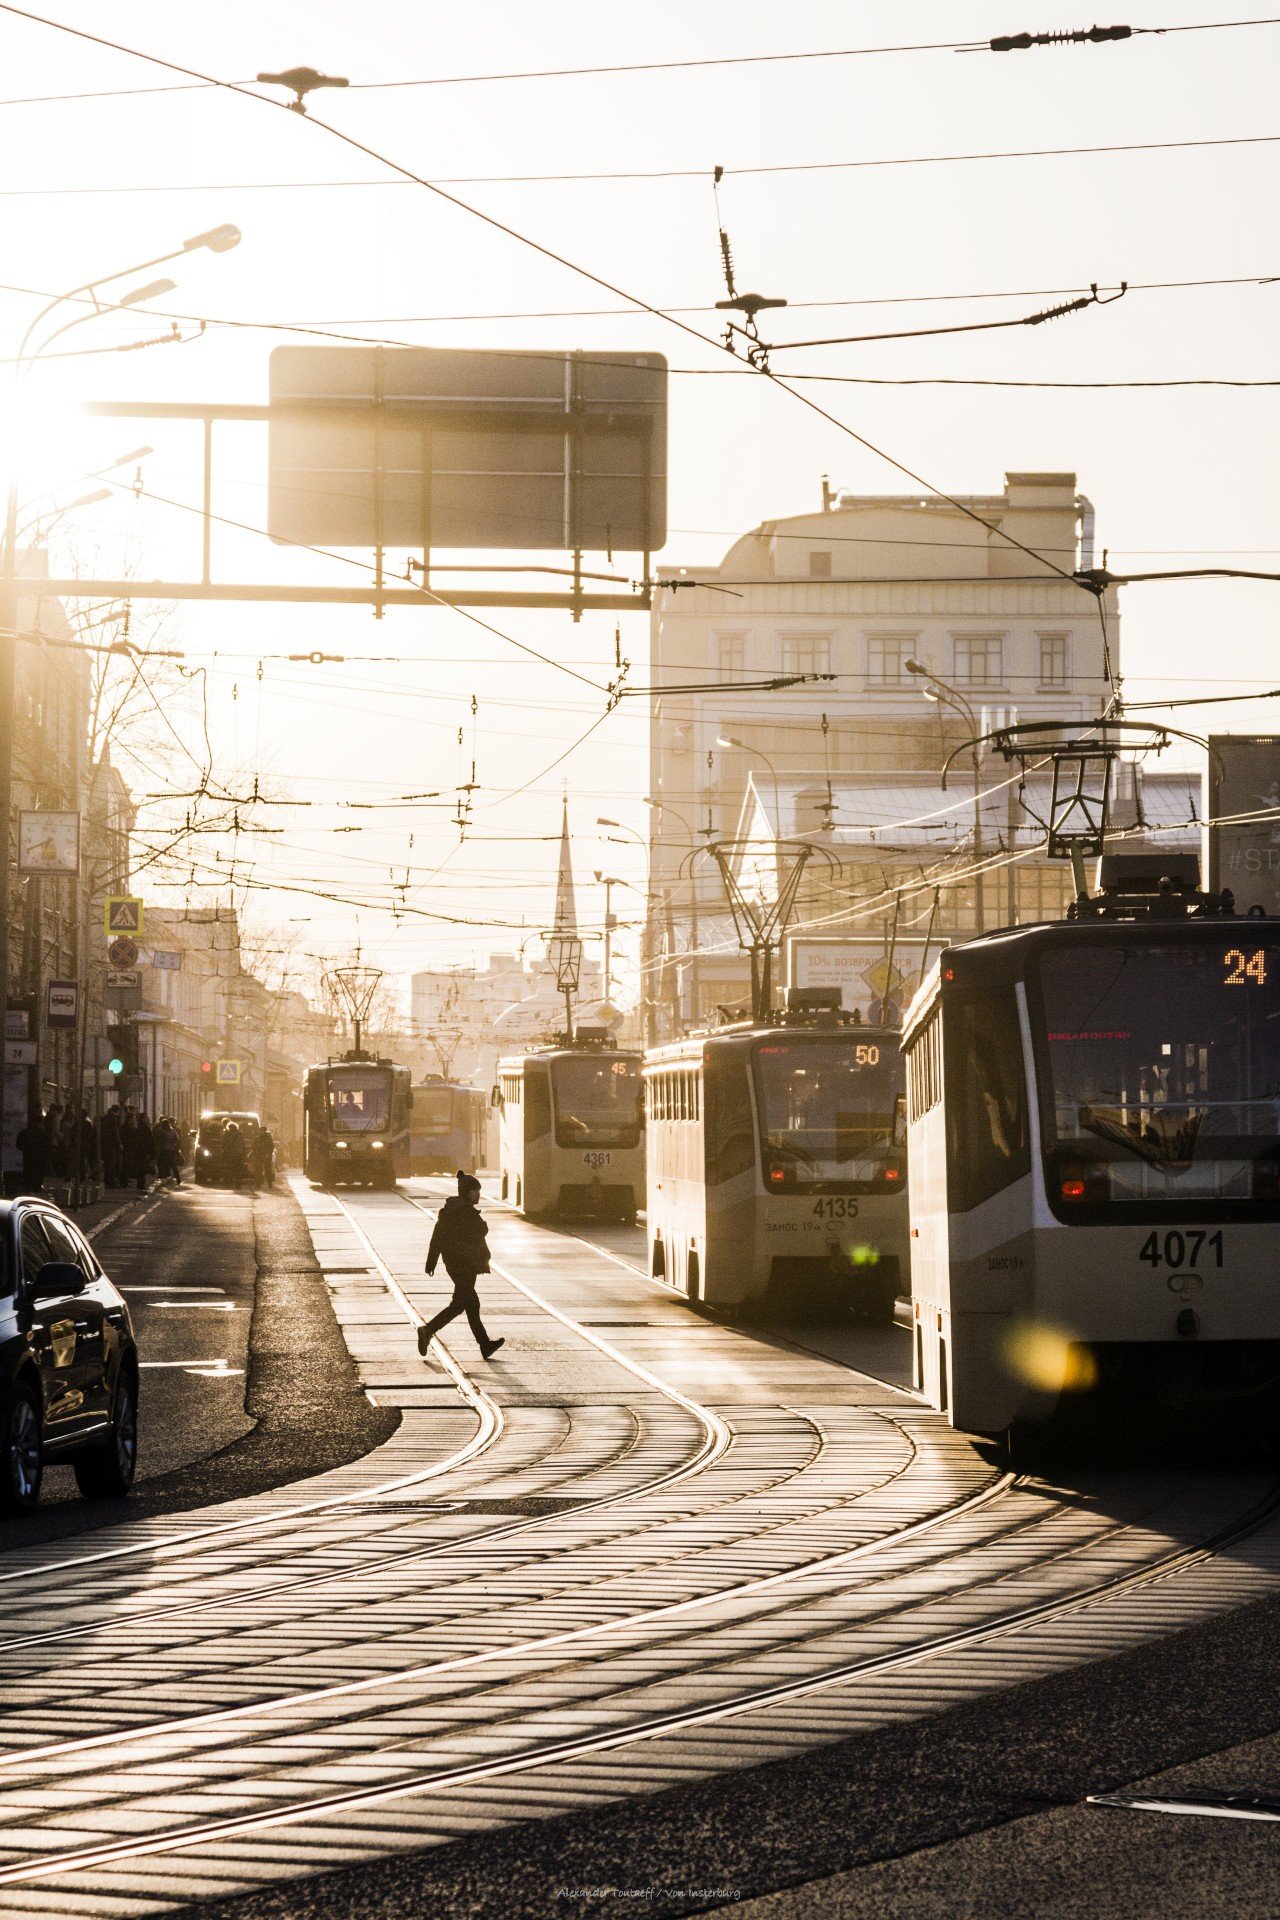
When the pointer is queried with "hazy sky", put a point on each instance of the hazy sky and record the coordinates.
(1178, 474)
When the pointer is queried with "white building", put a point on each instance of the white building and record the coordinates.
(848, 596)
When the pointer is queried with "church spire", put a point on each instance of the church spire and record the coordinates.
(566, 920)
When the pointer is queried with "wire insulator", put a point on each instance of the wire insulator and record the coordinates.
(1078, 36)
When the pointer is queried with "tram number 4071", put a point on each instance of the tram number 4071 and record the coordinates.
(1175, 1249)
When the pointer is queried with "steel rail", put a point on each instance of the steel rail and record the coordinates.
(716, 1439)
(552, 1752)
(490, 1424)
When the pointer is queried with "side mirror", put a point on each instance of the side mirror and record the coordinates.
(900, 1121)
(495, 1097)
(56, 1279)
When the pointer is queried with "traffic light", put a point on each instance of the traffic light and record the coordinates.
(115, 1066)
(206, 1066)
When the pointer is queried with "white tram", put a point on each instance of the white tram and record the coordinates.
(1094, 1137)
(571, 1132)
(776, 1163)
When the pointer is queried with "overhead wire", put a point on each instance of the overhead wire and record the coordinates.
(202, 83)
(546, 252)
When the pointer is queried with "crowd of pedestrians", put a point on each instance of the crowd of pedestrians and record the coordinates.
(64, 1143)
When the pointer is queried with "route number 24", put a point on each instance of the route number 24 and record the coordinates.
(1175, 1249)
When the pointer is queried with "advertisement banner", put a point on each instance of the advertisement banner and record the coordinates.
(878, 987)
(1243, 819)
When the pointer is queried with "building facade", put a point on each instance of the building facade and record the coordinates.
(846, 604)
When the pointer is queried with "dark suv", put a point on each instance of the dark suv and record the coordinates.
(68, 1361)
(212, 1167)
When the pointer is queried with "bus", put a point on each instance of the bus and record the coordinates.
(356, 1121)
(571, 1130)
(449, 1127)
(776, 1163)
(1094, 1131)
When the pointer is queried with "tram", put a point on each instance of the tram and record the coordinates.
(448, 1127)
(1094, 1133)
(776, 1162)
(571, 1130)
(356, 1121)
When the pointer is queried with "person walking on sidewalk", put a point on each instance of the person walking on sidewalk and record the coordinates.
(461, 1240)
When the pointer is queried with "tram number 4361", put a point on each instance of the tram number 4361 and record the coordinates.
(1194, 1248)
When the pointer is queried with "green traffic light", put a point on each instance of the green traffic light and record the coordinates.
(115, 1066)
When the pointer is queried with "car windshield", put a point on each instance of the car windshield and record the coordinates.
(1162, 1064)
(597, 1100)
(826, 1105)
(359, 1102)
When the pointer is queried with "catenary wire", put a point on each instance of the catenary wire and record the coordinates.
(547, 252)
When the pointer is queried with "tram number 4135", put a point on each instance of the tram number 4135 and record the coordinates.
(1176, 1249)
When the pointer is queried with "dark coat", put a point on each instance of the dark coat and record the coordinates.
(461, 1240)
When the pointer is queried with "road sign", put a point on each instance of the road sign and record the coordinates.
(167, 962)
(122, 992)
(226, 1073)
(123, 952)
(433, 447)
(19, 1053)
(61, 1003)
(48, 841)
(122, 914)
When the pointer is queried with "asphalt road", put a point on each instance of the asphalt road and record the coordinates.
(246, 1380)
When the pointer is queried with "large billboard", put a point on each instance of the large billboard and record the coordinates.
(878, 985)
(1243, 819)
(433, 447)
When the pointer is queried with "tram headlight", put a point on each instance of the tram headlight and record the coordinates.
(341, 1145)
(377, 1146)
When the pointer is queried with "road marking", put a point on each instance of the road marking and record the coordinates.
(211, 1306)
(206, 1367)
(128, 1286)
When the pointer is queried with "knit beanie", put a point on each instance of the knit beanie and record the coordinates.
(467, 1184)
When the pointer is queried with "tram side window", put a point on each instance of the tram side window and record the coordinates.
(988, 1145)
(537, 1102)
(924, 1070)
(730, 1132)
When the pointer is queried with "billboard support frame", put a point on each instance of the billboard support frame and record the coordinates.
(638, 597)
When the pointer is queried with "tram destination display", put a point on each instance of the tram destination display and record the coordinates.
(427, 447)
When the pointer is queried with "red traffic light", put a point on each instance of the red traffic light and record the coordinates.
(206, 1066)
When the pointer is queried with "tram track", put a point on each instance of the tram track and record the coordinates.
(564, 1653)
(549, 1753)
(413, 1557)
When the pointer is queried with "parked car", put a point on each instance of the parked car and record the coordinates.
(211, 1161)
(68, 1360)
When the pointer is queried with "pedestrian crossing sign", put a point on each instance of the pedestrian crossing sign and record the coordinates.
(122, 914)
(227, 1073)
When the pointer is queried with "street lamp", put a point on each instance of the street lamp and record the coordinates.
(947, 695)
(727, 740)
(564, 951)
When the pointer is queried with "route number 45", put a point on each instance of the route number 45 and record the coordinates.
(1175, 1249)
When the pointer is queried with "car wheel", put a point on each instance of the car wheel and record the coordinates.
(107, 1473)
(22, 1459)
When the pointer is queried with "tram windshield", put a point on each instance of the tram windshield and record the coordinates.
(1163, 1069)
(359, 1102)
(597, 1100)
(826, 1106)
(434, 1109)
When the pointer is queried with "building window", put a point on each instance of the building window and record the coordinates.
(979, 659)
(1053, 659)
(731, 655)
(819, 565)
(887, 656)
(806, 653)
